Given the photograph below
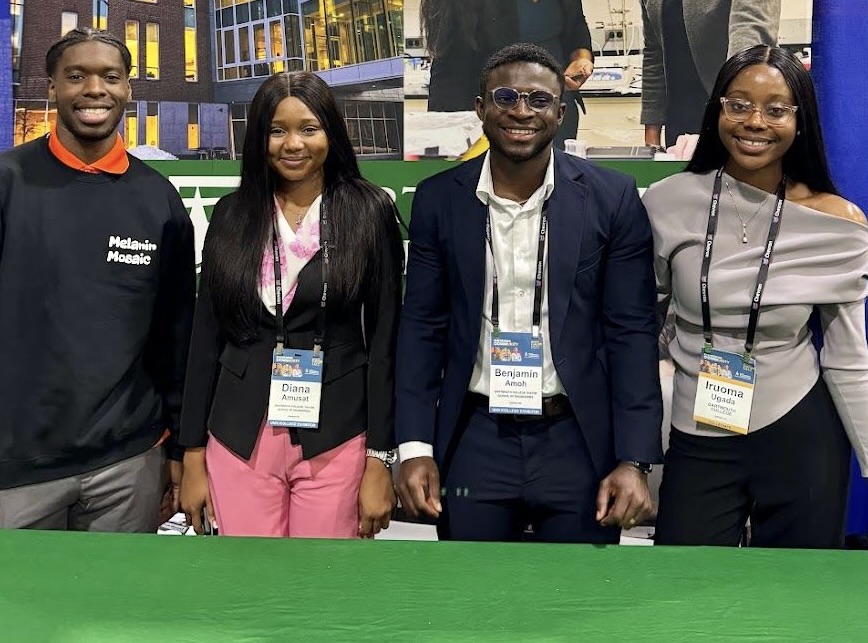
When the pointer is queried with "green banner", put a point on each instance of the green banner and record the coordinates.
(202, 183)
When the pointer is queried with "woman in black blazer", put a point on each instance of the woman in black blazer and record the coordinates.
(302, 205)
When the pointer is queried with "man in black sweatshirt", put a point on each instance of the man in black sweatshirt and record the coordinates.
(97, 287)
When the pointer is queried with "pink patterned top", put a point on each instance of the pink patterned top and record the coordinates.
(296, 249)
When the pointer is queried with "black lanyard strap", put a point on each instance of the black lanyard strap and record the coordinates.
(538, 274)
(762, 276)
(280, 324)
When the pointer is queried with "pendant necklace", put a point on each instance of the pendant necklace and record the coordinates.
(744, 223)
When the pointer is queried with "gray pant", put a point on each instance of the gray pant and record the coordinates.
(122, 497)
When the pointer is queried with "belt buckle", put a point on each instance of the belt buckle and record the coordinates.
(528, 417)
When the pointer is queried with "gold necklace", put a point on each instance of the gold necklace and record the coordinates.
(744, 223)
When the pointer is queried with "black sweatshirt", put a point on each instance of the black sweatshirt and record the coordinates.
(97, 288)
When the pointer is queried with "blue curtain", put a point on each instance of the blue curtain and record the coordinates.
(6, 111)
(840, 39)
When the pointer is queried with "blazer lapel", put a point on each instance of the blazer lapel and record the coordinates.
(566, 213)
(468, 233)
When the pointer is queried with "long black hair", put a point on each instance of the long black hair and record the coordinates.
(805, 160)
(363, 219)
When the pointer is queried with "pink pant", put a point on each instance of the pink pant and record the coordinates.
(277, 493)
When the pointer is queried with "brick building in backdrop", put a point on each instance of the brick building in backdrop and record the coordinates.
(199, 62)
(172, 106)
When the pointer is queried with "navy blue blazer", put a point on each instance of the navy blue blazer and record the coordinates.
(602, 322)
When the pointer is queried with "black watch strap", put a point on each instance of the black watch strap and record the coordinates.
(644, 467)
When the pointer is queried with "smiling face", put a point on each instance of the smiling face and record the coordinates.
(753, 145)
(520, 134)
(91, 87)
(297, 143)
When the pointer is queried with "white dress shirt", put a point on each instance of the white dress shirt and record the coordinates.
(515, 238)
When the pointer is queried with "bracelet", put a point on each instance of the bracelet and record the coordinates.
(644, 467)
(388, 458)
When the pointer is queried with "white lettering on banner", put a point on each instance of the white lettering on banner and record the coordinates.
(197, 203)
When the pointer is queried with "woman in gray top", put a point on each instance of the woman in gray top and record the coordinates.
(751, 241)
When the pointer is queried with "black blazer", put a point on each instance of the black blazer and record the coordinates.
(602, 318)
(227, 385)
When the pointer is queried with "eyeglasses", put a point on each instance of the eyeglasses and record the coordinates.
(507, 98)
(774, 114)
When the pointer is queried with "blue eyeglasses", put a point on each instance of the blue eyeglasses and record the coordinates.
(507, 98)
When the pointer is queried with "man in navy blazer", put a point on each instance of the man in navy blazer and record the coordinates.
(576, 469)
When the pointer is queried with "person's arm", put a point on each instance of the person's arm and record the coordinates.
(576, 39)
(169, 338)
(631, 329)
(421, 357)
(206, 344)
(653, 113)
(844, 364)
(662, 271)
(203, 368)
(382, 308)
(630, 332)
(424, 321)
(753, 22)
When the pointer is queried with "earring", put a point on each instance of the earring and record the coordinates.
(798, 132)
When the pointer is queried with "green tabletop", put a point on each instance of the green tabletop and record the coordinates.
(68, 587)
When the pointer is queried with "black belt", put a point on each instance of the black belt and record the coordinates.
(552, 407)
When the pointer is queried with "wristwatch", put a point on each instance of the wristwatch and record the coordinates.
(644, 467)
(388, 458)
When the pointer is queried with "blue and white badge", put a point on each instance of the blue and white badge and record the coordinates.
(515, 376)
(296, 386)
(724, 392)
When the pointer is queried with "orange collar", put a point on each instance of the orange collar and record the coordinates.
(114, 162)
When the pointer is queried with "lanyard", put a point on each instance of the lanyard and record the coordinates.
(278, 286)
(538, 282)
(762, 276)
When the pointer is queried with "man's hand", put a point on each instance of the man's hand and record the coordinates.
(419, 487)
(376, 498)
(195, 494)
(577, 72)
(171, 503)
(653, 134)
(623, 499)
